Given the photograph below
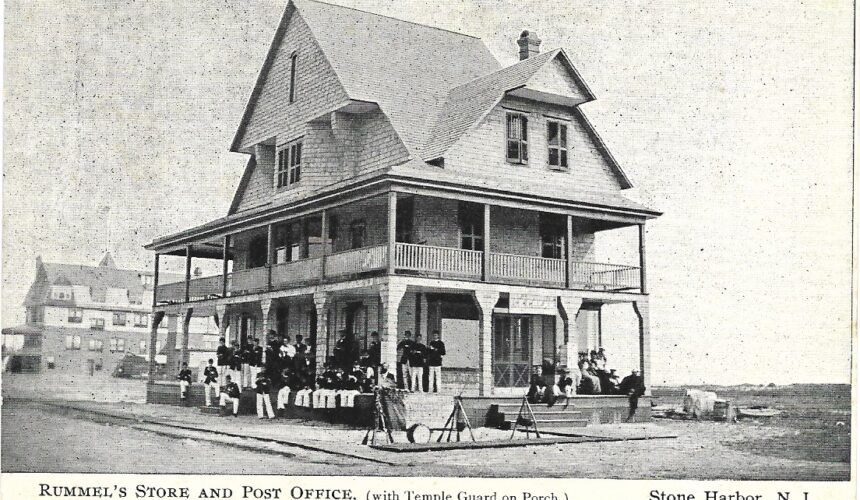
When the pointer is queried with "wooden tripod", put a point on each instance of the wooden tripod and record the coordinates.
(458, 414)
(379, 424)
(526, 419)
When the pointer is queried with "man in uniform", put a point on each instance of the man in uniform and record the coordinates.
(633, 386)
(263, 387)
(403, 348)
(223, 355)
(374, 349)
(230, 393)
(236, 361)
(343, 351)
(184, 381)
(434, 359)
(210, 382)
(417, 362)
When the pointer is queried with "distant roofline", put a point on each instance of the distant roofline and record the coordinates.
(394, 18)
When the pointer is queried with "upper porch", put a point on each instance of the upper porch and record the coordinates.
(408, 232)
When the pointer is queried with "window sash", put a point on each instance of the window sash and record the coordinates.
(517, 138)
(283, 167)
(295, 163)
(556, 139)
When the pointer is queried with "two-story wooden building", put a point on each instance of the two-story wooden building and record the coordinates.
(399, 178)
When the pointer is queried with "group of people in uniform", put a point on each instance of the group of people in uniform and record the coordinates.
(415, 359)
(593, 377)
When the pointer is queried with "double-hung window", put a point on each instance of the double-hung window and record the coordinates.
(290, 164)
(516, 134)
(471, 217)
(556, 140)
(97, 324)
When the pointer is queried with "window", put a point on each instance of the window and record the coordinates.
(119, 318)
(51, 362)
(357, 233)
(61, 294)
(32, 341)
(517, 138)
(76, 316)
(471, 226)
(293, 59)
(97, 324)
(141, 319)
(35, 314)
(96, 345)
(556, 140)
(117, 345)
(290, 164)
(552, 233)
(73, 342)
(146, 280)
(157, 346)
(142, 347)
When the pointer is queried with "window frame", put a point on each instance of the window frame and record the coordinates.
(288, 163)
(75, 315)
(293, 70)
(73, 342)
(141, 319)
(521, 140)
(357, 228)
(471, 226)
(562, 146)
(97, 323)
(119, 319)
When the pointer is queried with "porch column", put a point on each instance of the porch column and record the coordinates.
(223, 321)
(224, 256)
(157, 316)
(392, 230)
(324, 238)
(568, 308)
(170, 345)
(423, 309)
(642, 312)
(568, 252)
(390, 296)
(155, 283)
(486, 300)
(187, 273)
(642, 258)
(321, 302)
(270, 254)
(186, 331)
(485, 270)
(266, 308)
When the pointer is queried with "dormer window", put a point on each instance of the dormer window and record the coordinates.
(61, 293)
(290, 164)
(517, 138)
(556, 140)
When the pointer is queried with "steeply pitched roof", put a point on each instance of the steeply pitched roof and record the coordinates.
(406, 68)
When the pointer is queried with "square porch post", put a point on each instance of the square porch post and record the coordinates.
(224, 256)
(392, 230)
(155, 282)
(186, 332)
(486, 301)
(270, 254)
(485, 270)
(642, 283)
(390, 296)
(568, 309)
(187, 273)
(568, 252)
(153, 340)
(324, 238)
(266, 309)
(321, 302)
(643, 314)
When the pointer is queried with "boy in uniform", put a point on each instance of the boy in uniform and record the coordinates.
(230, 394)
(236, 361)
(263, 387)
(210, 382)
(404, 347)
(184, 381)
(417, 362)
(434, 359)
(223, 355)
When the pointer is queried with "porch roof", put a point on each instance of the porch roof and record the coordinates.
(407, 177)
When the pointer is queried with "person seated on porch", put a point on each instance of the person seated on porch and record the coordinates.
(230, 394)
(349, 386)
(375, 350)
(324, 395)
(184, 381)
(633, 386)
(564, 387)
(304, 395)
(223, 356)
(590, 383)
(417, 363)
(403, 349)
(283, 385)
(263, 387)
(386, 378)
(613, 381)
(345, 351)
(537, 387)
(210, 382)
(368, 370)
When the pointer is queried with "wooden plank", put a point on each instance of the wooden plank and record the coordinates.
(496, 443)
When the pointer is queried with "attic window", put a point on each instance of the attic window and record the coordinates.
(290, 164)
(556, 140)
(517, 138)
(293, 77)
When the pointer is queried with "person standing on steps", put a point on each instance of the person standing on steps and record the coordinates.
(434, 360)
(404, 347)
(417, 362)
(263, 386)
(210, 382)
(184, 381)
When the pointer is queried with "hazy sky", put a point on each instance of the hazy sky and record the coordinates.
(733, 118)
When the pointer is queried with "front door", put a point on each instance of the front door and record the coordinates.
(511, 351)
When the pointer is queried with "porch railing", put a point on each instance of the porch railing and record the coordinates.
(439, 260)
(356, 261)
(594, 275)
(205, 288)
(248, 280)
(298, 271)
(171, 292)
(527, 268)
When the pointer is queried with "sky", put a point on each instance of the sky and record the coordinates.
(732, 118)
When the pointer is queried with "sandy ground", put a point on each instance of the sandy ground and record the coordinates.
(40, 438)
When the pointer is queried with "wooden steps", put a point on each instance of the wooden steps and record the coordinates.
(560, 415)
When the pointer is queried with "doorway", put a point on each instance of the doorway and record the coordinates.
(511, 350)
